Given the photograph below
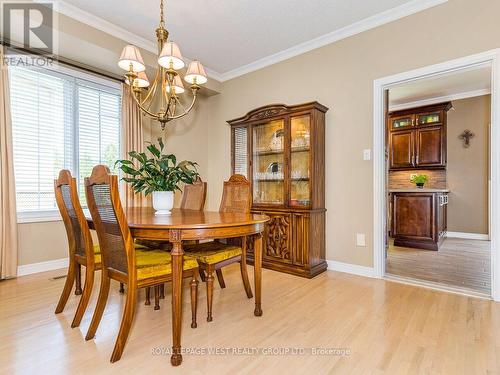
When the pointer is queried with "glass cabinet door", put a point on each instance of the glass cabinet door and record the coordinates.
(431, 118)
(268, 163)
(402, 122)
(300, 129)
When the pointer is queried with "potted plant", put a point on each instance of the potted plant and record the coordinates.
(419, 180)
(159, 175)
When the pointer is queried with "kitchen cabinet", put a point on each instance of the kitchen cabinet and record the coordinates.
(417, 137)
(418, 219)
(401, 149)
(281, 150)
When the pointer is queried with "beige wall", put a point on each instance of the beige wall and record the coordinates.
(341, 77)
(467, 169)
(40, 242)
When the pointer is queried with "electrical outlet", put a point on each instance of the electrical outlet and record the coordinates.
(360, 239)
(367, 154)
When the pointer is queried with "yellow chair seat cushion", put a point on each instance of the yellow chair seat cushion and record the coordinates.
(212, 252)
(154, 263)
(97, 252)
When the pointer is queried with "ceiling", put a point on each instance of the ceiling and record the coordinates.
(227, 35)
(458, 85)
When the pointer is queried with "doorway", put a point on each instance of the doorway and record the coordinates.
(440, 235)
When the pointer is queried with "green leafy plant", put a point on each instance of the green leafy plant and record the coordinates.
(160, 172)
(419, 179)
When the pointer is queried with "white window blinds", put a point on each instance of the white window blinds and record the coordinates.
(59, 121)
(98, 130)
(240, 151)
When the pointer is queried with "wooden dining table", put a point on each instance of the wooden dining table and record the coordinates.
(184, 225)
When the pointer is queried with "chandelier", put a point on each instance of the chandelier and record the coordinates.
(167, 83)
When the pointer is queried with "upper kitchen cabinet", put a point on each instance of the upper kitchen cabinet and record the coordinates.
(401, 146)
(417, 137)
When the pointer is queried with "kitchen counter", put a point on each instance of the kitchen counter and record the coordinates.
(416, 190)
(418, 217)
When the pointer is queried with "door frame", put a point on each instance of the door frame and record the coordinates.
(492, 58)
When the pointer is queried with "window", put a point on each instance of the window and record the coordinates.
(59, 120)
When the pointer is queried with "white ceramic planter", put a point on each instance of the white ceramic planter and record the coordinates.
(163, 202)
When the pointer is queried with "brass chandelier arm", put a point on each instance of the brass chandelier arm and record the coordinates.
(146, 111)
(152, 91)
(189, 108)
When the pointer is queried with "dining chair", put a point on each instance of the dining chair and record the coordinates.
(137, 268)
(193, 198)
(213, 256)
(82, 251)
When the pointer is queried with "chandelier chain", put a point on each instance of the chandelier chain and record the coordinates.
(162, 18)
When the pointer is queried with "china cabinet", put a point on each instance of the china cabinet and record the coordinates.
(281, 150)
(417, 137)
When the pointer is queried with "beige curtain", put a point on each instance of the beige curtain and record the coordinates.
(132, 123)
(8, 217)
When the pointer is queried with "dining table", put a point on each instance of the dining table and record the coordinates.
(186, 225)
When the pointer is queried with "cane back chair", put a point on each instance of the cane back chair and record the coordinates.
(120, 261)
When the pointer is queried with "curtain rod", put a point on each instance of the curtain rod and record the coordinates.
(62, 60)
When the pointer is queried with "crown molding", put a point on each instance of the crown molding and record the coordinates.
(440, 99)
(117, 31)
(105, 26)
(371, 22)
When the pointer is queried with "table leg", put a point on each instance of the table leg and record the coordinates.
(258, 274)
(177, 265)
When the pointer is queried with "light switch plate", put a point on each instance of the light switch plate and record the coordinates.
(360, 239)
(367, 154)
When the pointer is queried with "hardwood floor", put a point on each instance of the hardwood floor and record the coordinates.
(389, 328)
(458, 263)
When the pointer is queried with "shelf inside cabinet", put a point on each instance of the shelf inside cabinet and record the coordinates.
(280, 180)
(268, 152)
(300, 149)
(277, 152)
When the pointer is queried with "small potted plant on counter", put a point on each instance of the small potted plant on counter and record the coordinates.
(159, 175)
(419, 180)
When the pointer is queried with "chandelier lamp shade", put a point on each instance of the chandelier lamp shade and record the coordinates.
(165, 90)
